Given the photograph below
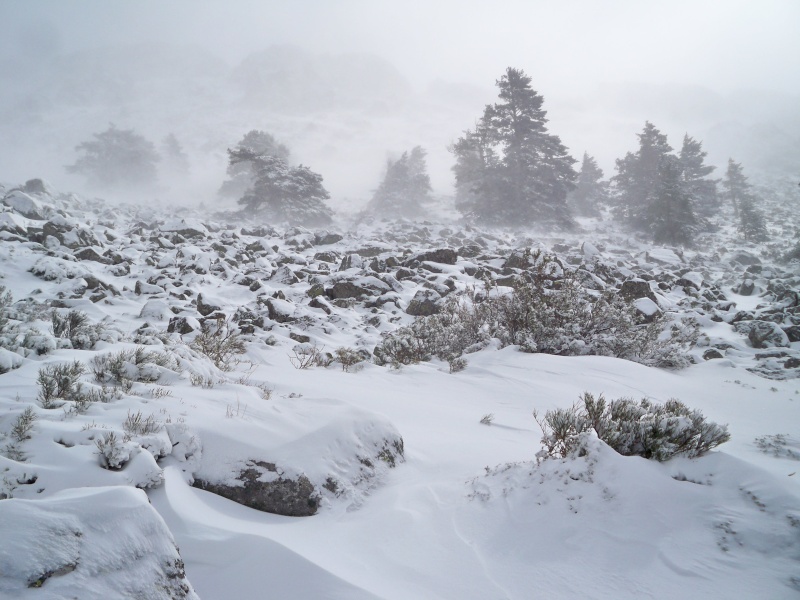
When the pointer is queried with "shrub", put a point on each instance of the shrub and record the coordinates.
(59, 381)
(23, 425)
(74, 326)
(5, 303)
(349, 358)
(305, 356)
(114, 454)
(126, 366)
(644, 428)
(136, 424)
(220, 341)
(543, 315)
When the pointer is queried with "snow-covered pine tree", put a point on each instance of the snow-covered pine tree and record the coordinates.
(405, 189)
(241, 174)
(695, 176)
(735, 184)
(752, 224)
(590, 190)
(173, 159)
(116, 158)
(293, 195)
(671, 217)
(637, 177)
(523, 173)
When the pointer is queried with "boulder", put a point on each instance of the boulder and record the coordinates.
(424, 303)
(445, 256)
(763, 334)
(263, 487)
(633, 289)
(346, 289)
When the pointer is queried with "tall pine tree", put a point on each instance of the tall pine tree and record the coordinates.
(406, 187)
(694, 174)
(590, 190)
(510, 170)
(735, 184)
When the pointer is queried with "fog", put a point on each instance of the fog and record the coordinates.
(347, 84)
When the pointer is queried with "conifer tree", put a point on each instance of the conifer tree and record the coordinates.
(279, 192)
(510, 170)
(735, 184)
(173, 158)
(671, 217)
(590, 189)
(695, 176)
(241, 174)
(115, 158)
(638, 175)
(406, 187)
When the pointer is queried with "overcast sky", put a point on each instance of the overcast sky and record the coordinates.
(720, 44)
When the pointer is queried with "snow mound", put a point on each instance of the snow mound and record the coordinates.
(92, 544)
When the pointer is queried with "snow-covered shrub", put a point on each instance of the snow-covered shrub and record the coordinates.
(59, 382)
(5, 303)
(20, 430)
(305, 356)
(220, 341)
(114, 453)
(74, 326)
(137, 424)
(553, 317)
(349, 358)
(644, 428)
(38, 342)
(126, 366)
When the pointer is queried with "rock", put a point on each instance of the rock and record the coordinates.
(182, 325)
(92, 255)
(647, 308)
(692, 279)
(280, 311)
(23, 204)
(519, 259)
(264, 488)
(633, 289)
(285, 276)
(324, 238)
(424, 303)
(319, 302)
(299, 337)
(745, 259)
(346, 289)
(445, 256)
(328, 257)
(102, 542)
(763, 334)
(792, 332)
(746, 288)
(206, 309)
(791, 363)
(351, 261)
(712, 353)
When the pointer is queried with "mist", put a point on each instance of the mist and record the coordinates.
(347, 85)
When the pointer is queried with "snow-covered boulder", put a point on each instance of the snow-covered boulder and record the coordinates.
(95, 543)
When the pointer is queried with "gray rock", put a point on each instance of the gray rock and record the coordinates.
(445, 256)
(633, 289)
(712, 353)
(280, 496)
(424, 303)
(206, 309)
(763, 334)
(346, 289)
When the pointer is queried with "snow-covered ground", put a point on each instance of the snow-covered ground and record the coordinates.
(416, 498)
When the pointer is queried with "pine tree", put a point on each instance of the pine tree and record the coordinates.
(695, 176)
(279, 192)
(752, 224)
(174, 159)
(116, 158)
(406, 187)
(735, 184)
(510, 170)
(590, 189)
(241, 175)
(671, 217)
(638, 175)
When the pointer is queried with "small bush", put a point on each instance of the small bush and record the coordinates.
(114, 454)
(126, 366)
(349, 358)
(220, 341)
(644, 428)
(5, 304)
(20, 430)
(74, 326)
(136, 424)
(305, 356)
(59, 382)
(543, 315)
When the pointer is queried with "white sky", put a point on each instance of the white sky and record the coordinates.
(720, 44)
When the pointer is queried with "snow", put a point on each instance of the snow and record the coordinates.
(466, 512)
